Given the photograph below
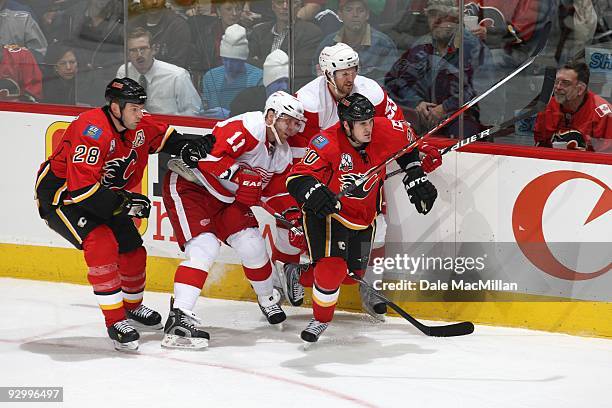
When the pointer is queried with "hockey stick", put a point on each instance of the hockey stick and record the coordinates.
(449, 330)
(179, 167)
(535, 106)
(539, 47)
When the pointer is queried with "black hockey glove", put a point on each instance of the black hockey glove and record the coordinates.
(420, 190)
(320, 201)
(133, 205)
(197, 149)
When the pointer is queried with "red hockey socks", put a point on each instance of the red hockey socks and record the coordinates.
(328, 275)
(101, 255)
(132, 267)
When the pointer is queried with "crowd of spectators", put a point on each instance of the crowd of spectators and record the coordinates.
(216, 58)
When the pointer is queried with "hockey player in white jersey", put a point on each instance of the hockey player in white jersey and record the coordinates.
(250, 149)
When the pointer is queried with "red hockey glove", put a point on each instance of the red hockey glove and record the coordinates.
(294, 216)
(249, 187)
(432, 159)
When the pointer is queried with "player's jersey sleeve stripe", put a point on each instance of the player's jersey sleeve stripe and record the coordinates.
(294, 177)
(86, 194)
(165, 138)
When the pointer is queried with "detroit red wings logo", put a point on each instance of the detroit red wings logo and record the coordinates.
(117, 172)
(361, 191)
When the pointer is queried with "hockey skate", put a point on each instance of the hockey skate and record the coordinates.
(144, 319)
(293, 290)
(124, 336)
(180, 330)
(372, 305)
(313, 331)
(270, 307)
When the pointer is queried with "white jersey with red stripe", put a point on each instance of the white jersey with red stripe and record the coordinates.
(242, 143)
(321, 108)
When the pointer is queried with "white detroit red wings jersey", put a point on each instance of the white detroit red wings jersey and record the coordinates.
(241, 143)
(321, 108)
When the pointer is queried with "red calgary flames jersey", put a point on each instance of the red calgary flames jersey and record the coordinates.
(93, 154)
(593, 120)
(18, 64)
(332, 160)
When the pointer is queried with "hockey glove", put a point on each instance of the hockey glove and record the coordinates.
(249, 187)
(294, 216)
(320, 201)
(420, 190)
(197, 149)
(133, 205)
(432, 159)
(569, 139)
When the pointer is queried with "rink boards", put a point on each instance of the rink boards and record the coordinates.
(531, 208)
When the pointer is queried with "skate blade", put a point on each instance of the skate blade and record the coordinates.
(187, 343)
(126, 347)
(144, 328)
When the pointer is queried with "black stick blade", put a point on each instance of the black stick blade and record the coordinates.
(451, 330)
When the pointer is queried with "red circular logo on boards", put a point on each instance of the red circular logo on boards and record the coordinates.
(527, 222)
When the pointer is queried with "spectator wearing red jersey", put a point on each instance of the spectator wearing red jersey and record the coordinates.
(575, 117)
(20, 78)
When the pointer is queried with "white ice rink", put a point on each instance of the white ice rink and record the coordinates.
(53, 335)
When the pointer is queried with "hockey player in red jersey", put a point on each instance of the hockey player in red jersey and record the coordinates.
(83, 193)
(339, 232)
(575, 118)
(339, 64)
(20, 78)
(250, 149)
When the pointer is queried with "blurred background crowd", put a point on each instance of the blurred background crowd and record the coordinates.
(218, 58)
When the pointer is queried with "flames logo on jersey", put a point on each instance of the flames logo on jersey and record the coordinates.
(117, 172)
(492, 17)
(361, 191)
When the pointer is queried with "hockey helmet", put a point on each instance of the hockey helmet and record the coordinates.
(355, 108)
(283, 103)
(125, 90)
(336, 57)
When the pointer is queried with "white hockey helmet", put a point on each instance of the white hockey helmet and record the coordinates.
(283, 103)
(336, 57)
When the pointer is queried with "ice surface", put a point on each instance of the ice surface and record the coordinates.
(53, 335)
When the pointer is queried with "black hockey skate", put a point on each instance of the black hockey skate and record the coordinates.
(180, 330)
(294, 291)
(372, 305)
(270, 307)
(124, 336)
(144, 319)
(313, 331)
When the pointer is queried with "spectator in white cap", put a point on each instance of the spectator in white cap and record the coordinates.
(276, 72)
(222, 84)
(275, 78)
